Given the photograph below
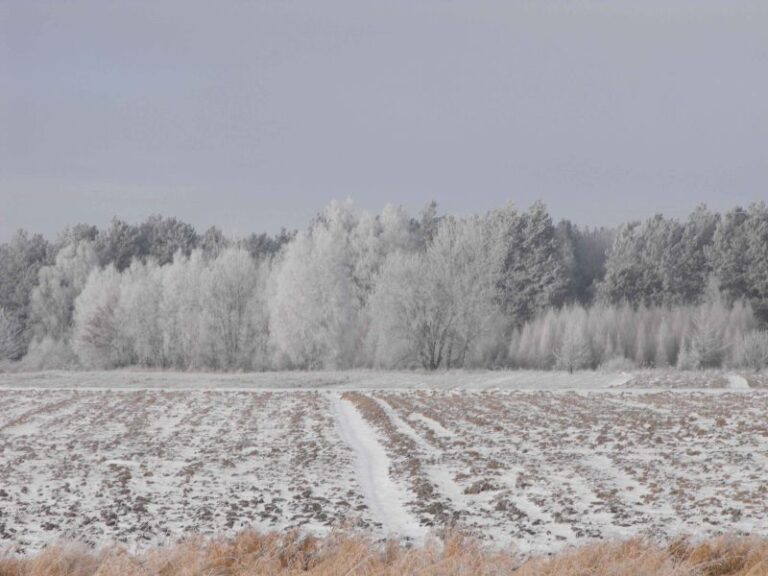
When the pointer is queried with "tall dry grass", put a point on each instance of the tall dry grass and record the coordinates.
(255, 554)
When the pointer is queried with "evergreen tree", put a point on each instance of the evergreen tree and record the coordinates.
(11, 344)
(729, 255)
(584, 254)
(162, 238)
(686, 268)
(757, 256)
(120, 244)
(20, 262)
(534, 275)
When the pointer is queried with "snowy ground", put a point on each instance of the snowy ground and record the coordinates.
(537, 460)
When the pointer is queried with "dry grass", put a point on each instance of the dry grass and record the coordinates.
(253, 554)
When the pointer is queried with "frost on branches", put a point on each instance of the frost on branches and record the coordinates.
(506, 289)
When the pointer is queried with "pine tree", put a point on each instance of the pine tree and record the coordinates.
(687, 267)
(20, 262)
(757, 256)
(534, 275)
(164, 237)
(11, 344)
(729, 255)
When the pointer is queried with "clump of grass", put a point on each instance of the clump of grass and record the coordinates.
(253, 554)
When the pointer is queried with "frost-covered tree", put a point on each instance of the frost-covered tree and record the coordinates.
(194, 312)
(322, 282)
(213, 242)
(660, 261)
(686, 270)
(729, 254)
(739, 256)
(315, 305)
(263, 246)
(714, 331)
(96, 336)
(53, 299)
(690, 337)
(75, 234)
(752, 351)
(372, 239)
(137, 315)
(584, 254)
(428, 222)
(574, 352)
(120, 244)
(11, 344)
(20, 261)
(400, 308)
(757, 254)
(432, 308)
(534, 275)
(668, 341)
(634, 267)
(52, 305)
(182, 321)
(758, 213)
(645, 339)
(157, 238)
(471, 253)
(162, 238)
(235, 312)
(398, 231)
(359, 289)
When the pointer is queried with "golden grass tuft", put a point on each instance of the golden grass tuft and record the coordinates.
(254, 554)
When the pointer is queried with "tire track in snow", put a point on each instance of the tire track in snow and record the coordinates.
(386, 499)
(430, 456)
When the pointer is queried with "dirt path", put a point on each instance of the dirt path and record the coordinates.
(386, 499)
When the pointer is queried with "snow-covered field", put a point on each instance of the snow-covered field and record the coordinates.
(534, 459)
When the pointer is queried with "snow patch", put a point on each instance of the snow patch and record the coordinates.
(620, 380)
(737, 382)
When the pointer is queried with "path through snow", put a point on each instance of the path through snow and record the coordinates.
(386, 499)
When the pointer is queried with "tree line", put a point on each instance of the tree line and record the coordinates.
(510, 288)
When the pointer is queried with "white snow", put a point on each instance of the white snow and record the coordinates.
(737, 382)
(333, 380)
(385, 498)
(433, 425)
(160, 455)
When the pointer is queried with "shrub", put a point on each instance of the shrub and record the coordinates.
(753, 351)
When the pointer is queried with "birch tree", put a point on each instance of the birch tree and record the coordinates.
(431, 308)
(96, 332)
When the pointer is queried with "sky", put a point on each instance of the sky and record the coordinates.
(253, 115)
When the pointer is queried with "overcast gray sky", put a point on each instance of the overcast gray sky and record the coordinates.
(253, 115)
